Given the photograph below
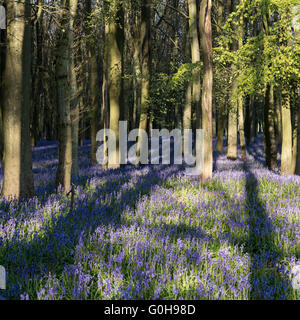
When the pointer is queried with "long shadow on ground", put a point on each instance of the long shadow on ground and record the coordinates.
(31, 260)
(262, 247)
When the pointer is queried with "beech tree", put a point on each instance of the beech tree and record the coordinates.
(206, 45)
(18, 176)
(64, 171)
(116, 31)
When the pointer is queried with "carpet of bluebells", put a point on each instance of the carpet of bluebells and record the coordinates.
(153, 233)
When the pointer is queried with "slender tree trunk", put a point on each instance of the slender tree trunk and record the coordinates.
(296, 27)
(278, 120)
(240, 102)
(195, 50)
(206, 45)
(295, 141)
(287, 143)
(63, 175)
(232, 114)
(187, 108)
(116, 72)
(269, 138)
(146, 66)
(73, 91)
(105, 102)
(93, 83)
(18, 176)
(232, 124)
(241, 127)
(136, 69)
(187, 111)
(2, 67)
(94, 90)
(297, 169)
(287, 133)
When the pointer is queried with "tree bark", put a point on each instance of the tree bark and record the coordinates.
(269, 138)
(195, 51)
(73, 91)
(287, 143)
(116, 73)
(63, 175)
(232, 114)
(206, 45)
(220, 106)
(18, 176)
(297, 169)
(146, 69)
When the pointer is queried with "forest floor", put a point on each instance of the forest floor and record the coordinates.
(154, 233)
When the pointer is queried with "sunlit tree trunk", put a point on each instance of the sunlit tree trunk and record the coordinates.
(295, 140)
(233, 109)
(206, 45)
(63, 175)
(297, 166)
(105, 102)
(187, 108)
(296, 27)
(287, 134)
(232, 123)
(241, 127)
(240, 101)
(116, 72)
(277, 119)
(146, 66)
(18, 176)
(136, 44)
(287, 143)
(221, 105)
(195, 51)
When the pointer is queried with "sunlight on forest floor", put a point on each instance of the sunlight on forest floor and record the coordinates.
(153, 233)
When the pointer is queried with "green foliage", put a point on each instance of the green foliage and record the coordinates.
(169, 89)
(268, 54)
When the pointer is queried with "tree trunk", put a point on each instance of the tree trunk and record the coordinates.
(241, 127)
(18, 176)
(115, 86)
(105, 104)
(195, 50)
(295, 141)
(187, 108)
(296, 27)
(297, 169)
(287, 144)
(73, 91)
(232, 124)
(94, 90)
(240, 101)
(278, 121)
(93, 83)
(269, 138)
(63, 175)
(206, 45)
(232, 114)
(146, 66)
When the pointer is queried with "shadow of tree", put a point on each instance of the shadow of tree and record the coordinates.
(49, 249)
(267, 280)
